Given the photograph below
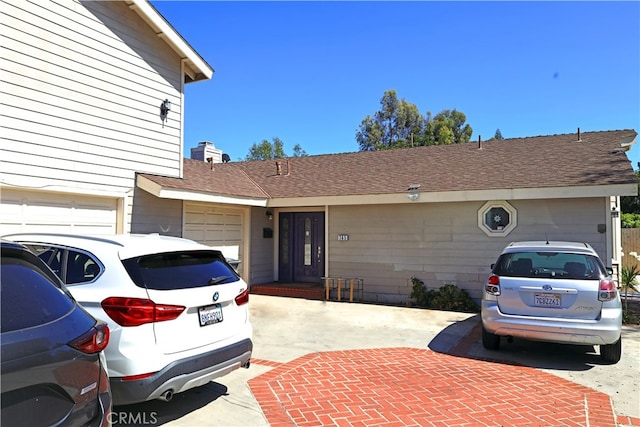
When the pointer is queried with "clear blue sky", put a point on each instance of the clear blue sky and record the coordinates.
(309, 72)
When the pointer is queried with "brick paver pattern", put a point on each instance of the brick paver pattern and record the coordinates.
(418, 387)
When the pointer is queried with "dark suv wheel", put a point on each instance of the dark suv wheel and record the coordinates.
(490, 341)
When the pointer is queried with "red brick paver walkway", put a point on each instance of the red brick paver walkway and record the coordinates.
(416, 387)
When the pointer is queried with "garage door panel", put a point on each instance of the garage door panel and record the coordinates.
(25, 211)
(215, 226)
(233, 220)
(194, 218)
(38, 211)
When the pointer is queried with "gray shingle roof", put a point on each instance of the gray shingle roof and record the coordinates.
(516, 163)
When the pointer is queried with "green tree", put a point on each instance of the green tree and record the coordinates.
(266, 150)
(399, 124)
(447, 127)
(631, 204)
(298, 151)
(496, 136)
(630, 220)
(395, 125)
(629, 282)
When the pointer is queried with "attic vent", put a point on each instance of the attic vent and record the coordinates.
(479, 142)
(413, 187)
(579, 138)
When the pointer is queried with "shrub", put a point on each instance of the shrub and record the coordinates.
(630, 220)
(419, 293)
(448, 297)
(629, 318)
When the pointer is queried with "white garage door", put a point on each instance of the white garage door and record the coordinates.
(215, 226)
(29, 211)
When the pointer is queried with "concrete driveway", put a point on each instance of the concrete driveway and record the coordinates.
(329, 363)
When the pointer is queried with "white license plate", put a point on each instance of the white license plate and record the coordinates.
(210, 314)
(547, 300)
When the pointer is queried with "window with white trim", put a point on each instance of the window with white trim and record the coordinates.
(497, 218)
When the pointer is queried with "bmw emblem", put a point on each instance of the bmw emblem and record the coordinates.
(545, 287)
(216, 296)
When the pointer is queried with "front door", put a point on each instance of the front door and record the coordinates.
(301, 248)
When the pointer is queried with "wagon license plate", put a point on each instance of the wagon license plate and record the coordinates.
(210, 314)
(547, 300)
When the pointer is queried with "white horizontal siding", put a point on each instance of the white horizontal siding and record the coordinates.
(154, 215)
(82, 84)
(261, 249)
(106, 117)
(95, 31)
(442, 243)
(78, 147)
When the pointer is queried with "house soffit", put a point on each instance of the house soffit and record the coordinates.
(196, 67)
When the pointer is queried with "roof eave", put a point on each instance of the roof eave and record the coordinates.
(195, 68)
(459, 196)
(627, 143)
(163, 192)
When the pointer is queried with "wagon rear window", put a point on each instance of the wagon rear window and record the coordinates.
(555, 265)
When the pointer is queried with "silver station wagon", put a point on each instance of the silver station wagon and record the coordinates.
(550, 291)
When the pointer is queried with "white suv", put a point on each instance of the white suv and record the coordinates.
(552, 291)
(177, 311)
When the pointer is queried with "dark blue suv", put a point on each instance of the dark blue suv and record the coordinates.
(53, 370)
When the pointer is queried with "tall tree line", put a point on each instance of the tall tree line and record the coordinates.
(400, 124)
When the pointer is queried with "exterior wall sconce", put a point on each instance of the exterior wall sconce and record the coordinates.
(413, 194)
(615, 213)
(269, 215)
(165, 107)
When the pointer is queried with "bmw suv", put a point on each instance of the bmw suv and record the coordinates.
(176, 309)
(552, 291)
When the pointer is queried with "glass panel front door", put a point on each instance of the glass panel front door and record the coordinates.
(301, 246)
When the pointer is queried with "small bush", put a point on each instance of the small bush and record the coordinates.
(630, 220)
(629, 318)
(419, 293)
(449, 297)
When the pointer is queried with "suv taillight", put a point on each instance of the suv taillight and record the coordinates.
(243, 297)
(493, 285)
(93, 341)
(607, 290)
(138, 311)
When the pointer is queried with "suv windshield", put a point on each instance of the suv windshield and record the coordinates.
(558, 265)
(180, 270)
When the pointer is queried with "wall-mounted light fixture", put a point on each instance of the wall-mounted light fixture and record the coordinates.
(615, 213)
(269, 215)
(413, 193)
(165, 107)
